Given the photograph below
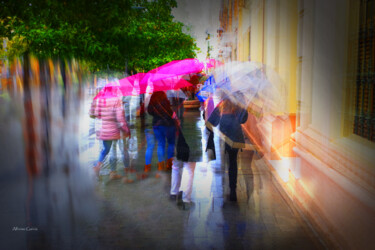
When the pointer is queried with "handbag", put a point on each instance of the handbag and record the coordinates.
(182, 148)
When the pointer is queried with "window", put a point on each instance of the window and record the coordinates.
(364, 119)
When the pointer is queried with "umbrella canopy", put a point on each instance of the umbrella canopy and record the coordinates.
(164, 84)
(124, 87)
(133, 85)
(242, 91)
(251, 84)
(174, 68)
(165, 77)
(109, 91)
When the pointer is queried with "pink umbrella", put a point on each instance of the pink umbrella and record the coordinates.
(133, 85)
(165, 84)
(109, 91)
(124, 87)
(174, 68)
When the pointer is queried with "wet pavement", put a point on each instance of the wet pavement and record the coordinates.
(68, 209)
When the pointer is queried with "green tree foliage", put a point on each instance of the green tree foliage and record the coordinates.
(103, 33)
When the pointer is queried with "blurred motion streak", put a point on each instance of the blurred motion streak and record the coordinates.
(45, 97)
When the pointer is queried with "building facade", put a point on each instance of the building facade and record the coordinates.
(322, 153)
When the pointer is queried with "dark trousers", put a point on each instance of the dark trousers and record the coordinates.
(232, 153)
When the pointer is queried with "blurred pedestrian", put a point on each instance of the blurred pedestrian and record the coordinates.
(229, 117)
(182, 171)
(188, 152)
(129, 149)
(163, 124)
(113, 126)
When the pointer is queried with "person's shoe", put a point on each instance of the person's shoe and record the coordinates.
(132, 170)
(130, 175)
(173, 197)
(97, 170)
(114, 176)
(161, 166)
(142, 176)
(187, 205)
(179, 199)
(147, 168)
(169, 164)
(158, 175)
(126, 180)
(233, 195)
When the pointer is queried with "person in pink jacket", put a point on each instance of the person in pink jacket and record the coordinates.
(113, 126)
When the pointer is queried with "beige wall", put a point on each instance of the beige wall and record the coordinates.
(335, 175)
(311, 44)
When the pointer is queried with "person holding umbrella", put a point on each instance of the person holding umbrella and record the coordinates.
(113, 125)
(229, 117)
(164, 127)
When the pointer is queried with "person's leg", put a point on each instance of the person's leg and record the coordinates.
(113, 155)
(188, 177)
(150, 140)
(126, 103)
(124, 152)
(171, 138)
(128, 177)
(232, 172)
(159, 132)
(113, 161)
(176, 176)
(105, 150)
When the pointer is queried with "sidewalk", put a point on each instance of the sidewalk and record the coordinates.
(144, 217)
(70, 211)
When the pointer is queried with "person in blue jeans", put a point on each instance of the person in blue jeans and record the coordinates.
(113, 127)
(164, 127)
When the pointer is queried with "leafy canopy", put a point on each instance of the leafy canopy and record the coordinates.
(103, 33)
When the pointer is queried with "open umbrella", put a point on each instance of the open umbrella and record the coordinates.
(165, 84)
(174, 68)
(242, 90)
(251, 84)
(133, 85)
(110, 90)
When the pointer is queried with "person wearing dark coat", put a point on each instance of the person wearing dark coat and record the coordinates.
(229, 117)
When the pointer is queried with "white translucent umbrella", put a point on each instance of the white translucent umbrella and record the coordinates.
(176, 94)
(251, 85)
